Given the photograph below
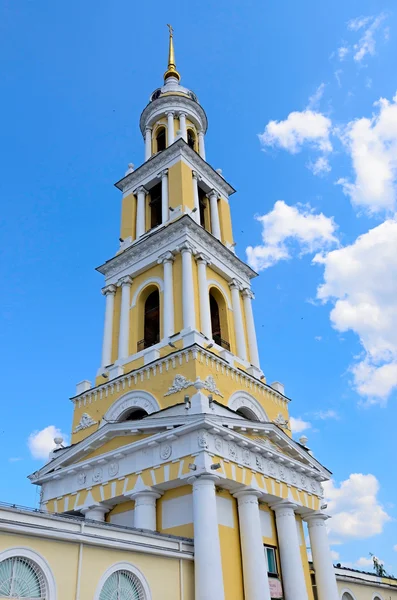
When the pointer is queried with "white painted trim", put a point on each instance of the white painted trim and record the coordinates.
(347, 591)
(134, 399)
(123, 566)
(216, 284)
(144, 284)
(377, 596)
(39, 560)
(242, 399)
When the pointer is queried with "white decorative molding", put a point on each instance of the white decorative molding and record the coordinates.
(180, 383)
(281, 421)
(210, 385)
(156, 280)
(40, 561)
(241, 400)
(134, 399)
(85, 422)
(123, 566)
(214, 283)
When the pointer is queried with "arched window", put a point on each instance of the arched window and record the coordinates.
(155, 206)
(160, 139)
(347, 596)
(21, 577)
(151, 321)
(218, 319)
(247, 413)
(191, 139)
(122, 585)
(135, 414)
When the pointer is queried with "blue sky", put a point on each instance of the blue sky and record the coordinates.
(290, 91)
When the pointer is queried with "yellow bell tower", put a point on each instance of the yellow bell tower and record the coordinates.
(180, 433)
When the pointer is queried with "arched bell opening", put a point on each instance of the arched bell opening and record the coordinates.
(133, 414)
(219, 324)
(247, 413)
(161, 142)
(191, 139)
(155, 198)
(149, 318)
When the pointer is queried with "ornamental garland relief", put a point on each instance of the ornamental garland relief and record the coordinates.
(202, 439)
(218, 444)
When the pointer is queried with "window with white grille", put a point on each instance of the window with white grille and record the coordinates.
(20, 577)
(122, 585)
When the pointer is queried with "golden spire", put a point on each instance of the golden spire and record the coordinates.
(171, 71)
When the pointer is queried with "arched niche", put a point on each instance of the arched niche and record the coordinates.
(137, 399)
(246, 405)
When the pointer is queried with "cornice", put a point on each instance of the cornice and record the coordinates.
(159, 161)
(167, 238)
(180, 102)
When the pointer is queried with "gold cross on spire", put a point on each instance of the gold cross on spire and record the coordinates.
(171, 71)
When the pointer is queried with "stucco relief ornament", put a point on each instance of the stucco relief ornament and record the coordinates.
(281, 421)
(283, 472)
(259, 462)
(210, 385)
(165, 451)
(233, 450)
(313, 486)
(202, 439)
(303, 479)
(81, 478)
(294, 477)
(85, 422)
(272, 467)
(246, 457)
(218, 444)
(113, 469)
(180, 383)
(97, 475)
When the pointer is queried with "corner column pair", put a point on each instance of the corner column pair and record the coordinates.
(123, 348)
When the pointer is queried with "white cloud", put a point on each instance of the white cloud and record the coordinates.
(13, 459)
(316, 97)
(342, 52)
(298, 425)
(367, 43)
(365, 562)
(320, 166)
(324, 415)
(286, 226)
(372, 144)
(298, 129)
(334, 555)
(361, 281)
(318, 338)
(337, 75)
(355, 508)
(41, 443)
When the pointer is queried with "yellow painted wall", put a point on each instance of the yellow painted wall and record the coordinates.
(231, 555)
(225, 221)
(305, 561)
(366, 592)
(182, 530)
(128, 217)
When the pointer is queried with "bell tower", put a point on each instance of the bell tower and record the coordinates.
(180, 433)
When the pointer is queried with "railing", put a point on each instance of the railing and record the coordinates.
(143, 344)
(218, 340)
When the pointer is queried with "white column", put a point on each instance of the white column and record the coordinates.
(208, 576)
(145, 509)
(109, 292)
(238, 320)
(215, 226)
(322, 560)
(171, 131)
(251, 333)
(189, 321)
(196, 214)
(140, 211)
(201, 144)
(95, 512)
(124, 333)
(164, 195)
(148, 143)
(204, 297)
(167, 260)
(290, 556)
(182, 125)
(256, 583)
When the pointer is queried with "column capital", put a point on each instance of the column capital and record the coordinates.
(126, 280)
(315, 518)
(169, 113)
(182, 113)
(203, 258)
(186, 247)
(167, 257)
(147, 128)
(203, 480)
(248, 496)
(162, 174)
(147, 497)
(108, 289)
(140, 190)
(213, 193)
(234, 284)
(283, 508)
(195, 175)
(247, 293)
